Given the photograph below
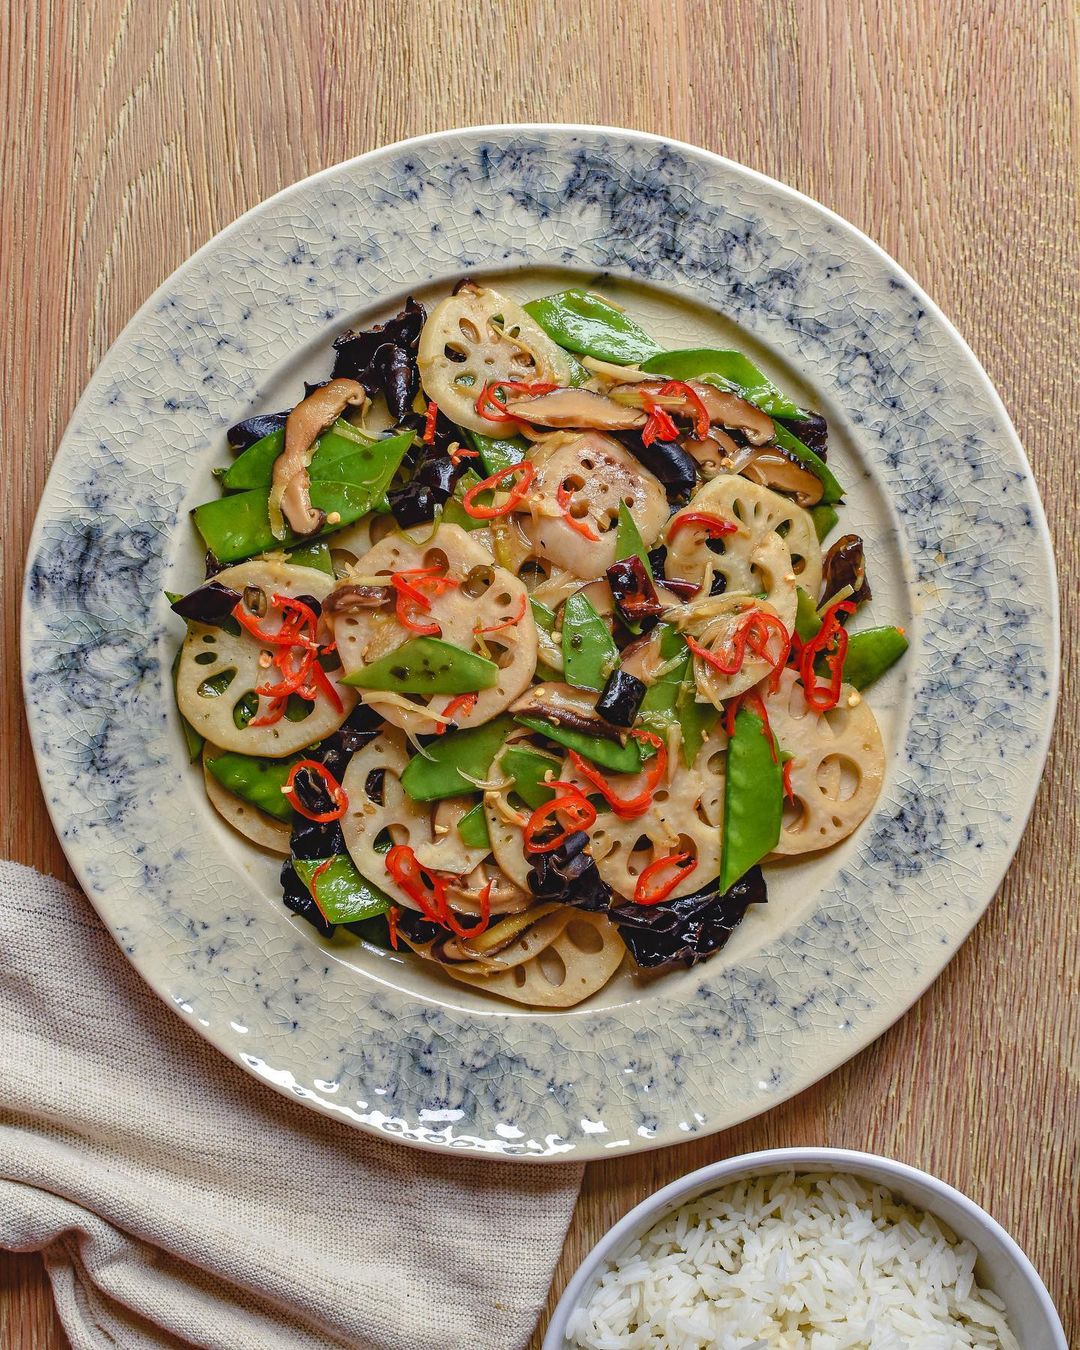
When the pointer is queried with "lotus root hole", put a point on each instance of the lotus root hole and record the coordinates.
(585, 937)
(552, 966)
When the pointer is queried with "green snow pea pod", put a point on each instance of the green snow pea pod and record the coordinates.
(438, 772)
(696, 719)
(426, 665)
(824, 518)
(628, 540)
(807, 622)
(344, 896)
(542, 616)
(753, 798)
(589, 650)
(496, 454)
(193, 739)
(473, 828)
(315, 555)
(608, 754)
(238, 526)
(582, 322)
(832, 491)
(730, 368)
(257, 781)
(871, 653)
(255, 466)
(527, 768)
(673, 697)
(453, 513)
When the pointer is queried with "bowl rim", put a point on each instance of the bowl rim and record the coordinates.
(772, 1160)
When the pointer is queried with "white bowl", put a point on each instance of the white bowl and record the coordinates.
(1002, 1266)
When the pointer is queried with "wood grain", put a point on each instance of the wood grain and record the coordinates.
(135, 129)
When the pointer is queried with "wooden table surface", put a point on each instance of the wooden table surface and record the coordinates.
(949, 132)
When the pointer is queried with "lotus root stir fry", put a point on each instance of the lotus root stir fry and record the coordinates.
(524, 644)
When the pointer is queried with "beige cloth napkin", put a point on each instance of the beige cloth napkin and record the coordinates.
(178, 1202)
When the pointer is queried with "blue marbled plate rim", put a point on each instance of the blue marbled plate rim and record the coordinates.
(739, 1038)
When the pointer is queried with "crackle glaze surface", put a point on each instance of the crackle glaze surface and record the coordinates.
(706, 1048)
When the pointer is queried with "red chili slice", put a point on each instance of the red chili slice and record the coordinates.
(463, 703)
(392, 916)
(644, 892)
(429, 424)
(490, 405)
(685, 391)
(334, 791)
(573, 804)
(322, 867)
(830, 644)
(627, 809)
(714, 526)
(507, 623)
(427, 889)
(562, 497)
(455, 925)
(516, 495)
(659, 426)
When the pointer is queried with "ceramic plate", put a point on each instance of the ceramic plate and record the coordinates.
(938, 485)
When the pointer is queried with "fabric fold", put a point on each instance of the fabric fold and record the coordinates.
(177, 1201)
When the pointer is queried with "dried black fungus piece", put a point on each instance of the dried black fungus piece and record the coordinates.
(434, 475)
(297, 897)
(313, 839)
(212, 604)
(667, 462)
(812, 430)
(845, 565)
(253, 429)
(568, 875)
(633, 590)
(689, 929)
(417, 928)
(621, 698)
(384, 358)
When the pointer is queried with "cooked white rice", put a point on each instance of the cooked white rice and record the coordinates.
(798, 1263)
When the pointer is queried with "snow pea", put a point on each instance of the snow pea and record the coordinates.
(582, 322)
(257, 781)
(871, 653)
(753, 798)
(496, 454)
(527, 769)
(542, 616)
(438, 771)
(832, 491)
(673, 697)
(628, 540)
(254, 468)
(730, 368)
(807, 623)
(344, 896)
(238, 526)
(824, 518)
(589, 650)
(696, 719)
(473, 828)
(193, 739)
(608, 754)
(315, 555)
(426, 665)
(453, 513)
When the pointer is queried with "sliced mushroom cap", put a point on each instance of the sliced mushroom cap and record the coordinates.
(774, 468)
(576, 408)
(565, 706)
(715, 453)
(729, 410)
(290, 492)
